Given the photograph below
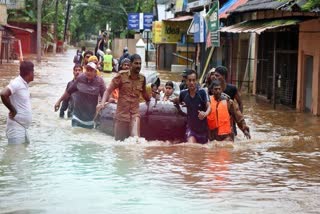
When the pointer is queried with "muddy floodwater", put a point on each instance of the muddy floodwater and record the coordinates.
(75, 170)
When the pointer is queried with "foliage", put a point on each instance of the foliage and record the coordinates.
(87, 17)
(90, 16)
(29, 14)
(311, 4)
(307, 5)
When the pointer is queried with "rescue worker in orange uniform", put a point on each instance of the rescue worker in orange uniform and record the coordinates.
(223, 112)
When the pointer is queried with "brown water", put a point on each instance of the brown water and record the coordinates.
(74, 170)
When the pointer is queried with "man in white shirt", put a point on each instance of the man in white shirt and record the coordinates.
(16, 98)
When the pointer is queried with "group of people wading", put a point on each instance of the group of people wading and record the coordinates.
(208, 118)
(211, 109)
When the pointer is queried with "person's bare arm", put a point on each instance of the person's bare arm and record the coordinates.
(238, 117)
(99, 43)
(203, 114)
(175, 100)
(65, 95)
(145, 95)
(107, 93)
(237, 97)
(208, 109)
(72, 88)
(5, 97)
(106, 96)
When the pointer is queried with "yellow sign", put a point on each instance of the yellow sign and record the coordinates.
(169, 31)
(156, 32)
(179, 5)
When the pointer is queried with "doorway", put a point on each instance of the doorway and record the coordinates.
(308, 70)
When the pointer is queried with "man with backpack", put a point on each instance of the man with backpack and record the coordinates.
(77, 59)
(101, 41)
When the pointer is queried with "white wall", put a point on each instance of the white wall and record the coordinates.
(162, 14)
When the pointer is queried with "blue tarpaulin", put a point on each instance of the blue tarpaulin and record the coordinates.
(199, 28)
(226, 6)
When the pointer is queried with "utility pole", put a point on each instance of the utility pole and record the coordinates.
(66, 20)
(39, 7)
(274, 75)
(56, 27)
(156, 15)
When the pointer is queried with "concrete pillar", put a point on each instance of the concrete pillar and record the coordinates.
(140, 49)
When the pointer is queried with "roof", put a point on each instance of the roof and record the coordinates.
(18, 28)
(259, 26)
(230, 6)
(179, 19)
(254, 5)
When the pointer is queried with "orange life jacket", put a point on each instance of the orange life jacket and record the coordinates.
(219, 118)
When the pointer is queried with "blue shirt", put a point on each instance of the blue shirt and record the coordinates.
(195, 104)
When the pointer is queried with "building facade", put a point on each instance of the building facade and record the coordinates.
(308, 78)
(270, 40)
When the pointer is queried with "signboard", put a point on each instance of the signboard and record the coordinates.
(156, 32)
(197, 3)
(169, 31)
(213, 24)
(133, 21)
(147, 21)
(140, 21)
(181, 5)
(199, 28)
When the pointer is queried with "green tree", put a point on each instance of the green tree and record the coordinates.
(90, 16)
(29, 14)
(306, 5)
(87, 17)
(311, 4)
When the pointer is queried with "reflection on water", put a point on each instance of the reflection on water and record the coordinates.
(73, 170)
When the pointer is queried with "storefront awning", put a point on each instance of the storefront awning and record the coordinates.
(179, 19)
(18, 28)
(259, 26)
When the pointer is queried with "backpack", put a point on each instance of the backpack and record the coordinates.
(77, 58)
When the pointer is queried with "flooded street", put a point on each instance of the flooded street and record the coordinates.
(75, 170)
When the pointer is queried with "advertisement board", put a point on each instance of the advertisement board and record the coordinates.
(169, 31)
(147, 21)
(199, 28)
(156, 32)
(198, 3)
(140, 21)
(213, 24)
(181, 5)
(133, 21)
